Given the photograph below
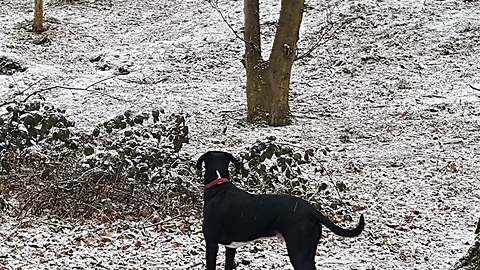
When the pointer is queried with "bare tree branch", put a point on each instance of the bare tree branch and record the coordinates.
(215, 6)
(325, 36)
(473, 87)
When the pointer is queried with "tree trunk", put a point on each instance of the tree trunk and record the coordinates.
(268, 81)
(253, 58)
(472, 259)
(37, 26)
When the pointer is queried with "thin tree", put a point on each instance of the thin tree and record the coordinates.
(268, 80)
(37, 26)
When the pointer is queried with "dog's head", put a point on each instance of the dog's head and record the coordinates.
(216, 165)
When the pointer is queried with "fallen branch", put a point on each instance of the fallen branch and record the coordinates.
(21, 92)
(61, 87)
(75, 88)
(30, 86)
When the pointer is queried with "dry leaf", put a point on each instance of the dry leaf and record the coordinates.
(176, 244)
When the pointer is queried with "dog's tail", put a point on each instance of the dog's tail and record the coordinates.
(340, 231)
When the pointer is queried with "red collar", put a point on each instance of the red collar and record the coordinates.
(215, 182)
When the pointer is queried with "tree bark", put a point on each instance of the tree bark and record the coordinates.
(37, 26)
(472, 259)
(253, 56)
(268, 81)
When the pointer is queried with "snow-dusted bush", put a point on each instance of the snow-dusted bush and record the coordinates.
(133, 147)
(272, 167)
(130, 165)
(29, 124)
(11, 64)
(277, 168)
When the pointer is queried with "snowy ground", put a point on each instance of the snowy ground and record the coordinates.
(394, 96)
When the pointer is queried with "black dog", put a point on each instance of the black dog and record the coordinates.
(232, 217)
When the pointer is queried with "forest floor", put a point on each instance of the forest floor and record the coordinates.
(394, 95)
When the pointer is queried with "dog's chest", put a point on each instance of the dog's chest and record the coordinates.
(241, 244)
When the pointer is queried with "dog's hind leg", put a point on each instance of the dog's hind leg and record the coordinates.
(230, 256)
(211, 252)
(302, 244)
(302, 258)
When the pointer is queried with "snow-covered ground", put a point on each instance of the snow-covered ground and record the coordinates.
(394, 96)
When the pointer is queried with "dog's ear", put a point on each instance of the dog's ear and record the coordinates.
(234, 161)
(200, 161)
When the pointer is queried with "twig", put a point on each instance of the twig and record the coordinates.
(160, 222)
(30, 86)
(75, 88)
(317, 44)
(322, 40)
(323, 168)
(144, 201)
(7, 103)
(331, 180)
(106, 79)
(214, 4)
(474, 88)
(57, 225)
(21, 92)
(63, 87)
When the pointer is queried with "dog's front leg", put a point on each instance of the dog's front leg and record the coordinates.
(229, 258)
(212, 249)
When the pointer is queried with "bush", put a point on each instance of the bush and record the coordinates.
(272, 167)
(28, 124)
(131, 147)
(130, 165)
